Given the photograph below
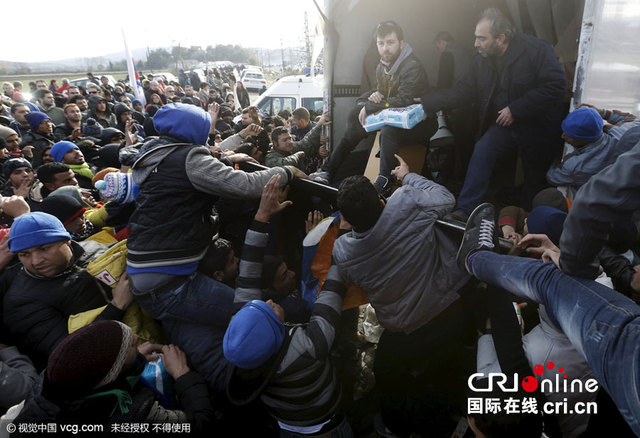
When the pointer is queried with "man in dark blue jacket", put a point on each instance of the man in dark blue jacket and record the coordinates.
(518, 85)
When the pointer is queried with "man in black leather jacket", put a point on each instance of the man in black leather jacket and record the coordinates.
(401, 77)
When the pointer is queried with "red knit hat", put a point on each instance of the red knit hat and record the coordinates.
(90, 357)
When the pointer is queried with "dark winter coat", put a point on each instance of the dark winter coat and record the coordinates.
(532, 80)
(37, 309)
(400, 83)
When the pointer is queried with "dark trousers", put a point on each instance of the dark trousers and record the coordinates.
(391, 137)
(421, 376)
(494, 144)
(353, 135)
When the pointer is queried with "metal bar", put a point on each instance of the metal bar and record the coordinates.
(330, 193)
(312, 187)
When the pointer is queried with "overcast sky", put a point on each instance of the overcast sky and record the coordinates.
(77, 28)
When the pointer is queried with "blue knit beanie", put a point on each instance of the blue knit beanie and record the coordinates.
(253, 336)
(546, 220)
(35, 229)
(35, 119)
(583, 124)
(32, 107)
(59, 150)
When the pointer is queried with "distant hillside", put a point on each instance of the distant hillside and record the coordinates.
(293, 56)
(70, 64)
(114, 61)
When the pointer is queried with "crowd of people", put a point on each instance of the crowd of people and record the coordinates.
(150, 280)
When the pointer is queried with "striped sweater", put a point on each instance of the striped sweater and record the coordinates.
(302, 388)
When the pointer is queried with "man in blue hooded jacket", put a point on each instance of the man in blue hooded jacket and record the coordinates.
(175, 219)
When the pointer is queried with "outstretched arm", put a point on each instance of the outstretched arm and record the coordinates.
(250, 270)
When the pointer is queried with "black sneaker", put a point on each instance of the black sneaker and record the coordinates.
(458, 215)
(383, 185)
(478, 234)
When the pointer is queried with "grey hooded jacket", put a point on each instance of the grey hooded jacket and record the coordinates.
(405, 263)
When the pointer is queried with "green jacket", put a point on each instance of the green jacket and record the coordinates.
(309, 145)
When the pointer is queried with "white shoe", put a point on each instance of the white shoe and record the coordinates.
(320, 176)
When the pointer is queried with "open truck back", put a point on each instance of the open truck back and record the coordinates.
(595, 41)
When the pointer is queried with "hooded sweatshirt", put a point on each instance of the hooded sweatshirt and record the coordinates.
(107, 119)
(175, 220)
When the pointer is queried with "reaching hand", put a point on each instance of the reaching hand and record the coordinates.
(509, 233)
(14, 206)
(76, 133)
(27, 151)
(325, 119)
(600, 111)
(549, 255)
(541, 245)
(313, 219)
(297, 173)
(175, 361)
(400, 171)
(253, 113)
(214, 110)
(536, 243)
(148, 350)
(269, 203)
(251, 130)
(122, 297)
(241, 158)
(283, 192)
(130, 136)
(216, 151)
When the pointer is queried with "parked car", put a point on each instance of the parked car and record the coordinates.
(251, 67)
(169, 77)
(253, 80)
(82, 82)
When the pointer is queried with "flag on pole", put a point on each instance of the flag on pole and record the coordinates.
(134, 79)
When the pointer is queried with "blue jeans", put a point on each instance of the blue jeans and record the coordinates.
(200, 300)
(602, 324)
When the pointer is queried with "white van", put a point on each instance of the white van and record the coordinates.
(291, 92)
